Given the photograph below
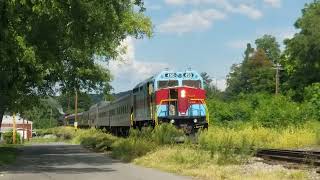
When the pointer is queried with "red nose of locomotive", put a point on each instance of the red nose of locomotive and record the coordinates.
(179, 99)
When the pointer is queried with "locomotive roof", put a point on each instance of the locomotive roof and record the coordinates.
(169, 74)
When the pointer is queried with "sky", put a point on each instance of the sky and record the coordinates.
(205, 35)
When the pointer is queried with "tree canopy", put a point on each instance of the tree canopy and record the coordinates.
(302, 53)
(270, 46)
(253, 75)
(50, 45)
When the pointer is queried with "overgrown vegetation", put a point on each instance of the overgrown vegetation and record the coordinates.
(8, 137)
(223, 148)
(262, 109)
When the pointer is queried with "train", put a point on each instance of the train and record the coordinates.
(176, 97)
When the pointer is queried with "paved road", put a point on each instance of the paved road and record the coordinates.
(62, 161)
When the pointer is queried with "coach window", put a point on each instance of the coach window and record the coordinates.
(192, 83)
(135, 90)
(170, 83)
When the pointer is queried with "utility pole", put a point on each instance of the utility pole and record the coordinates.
(50, 117)
(76, 110)
(23, 130)
(68, 103)
(14, 129)
(278, 68)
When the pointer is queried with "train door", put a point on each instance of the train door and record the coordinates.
(150, 98)
(173, 104)
(135, 106)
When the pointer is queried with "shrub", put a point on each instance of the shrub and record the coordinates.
(229, 111)
(8, 137)
(312, 97)
(94, 139)
(166, 134)
(187, 155)
(130, 148)
(238, 143)
(262, 109)
(145, 132)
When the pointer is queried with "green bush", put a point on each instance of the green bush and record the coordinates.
(261, 109)
(66, 133)
(236, 144)
(166, 134)
(229, 111)
(8, 137)
(131, 148)
(94, 139)
(312, 98)
(278, 111)
(145, 132)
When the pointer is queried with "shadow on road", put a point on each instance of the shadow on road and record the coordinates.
(70, 159)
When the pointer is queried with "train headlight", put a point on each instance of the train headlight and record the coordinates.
(195, 120)
(183, 93)
(172, 121)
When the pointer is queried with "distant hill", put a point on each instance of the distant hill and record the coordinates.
(120, 94)
(96, 98)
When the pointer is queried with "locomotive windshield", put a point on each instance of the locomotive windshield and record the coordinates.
(169, 83)
(192, 83)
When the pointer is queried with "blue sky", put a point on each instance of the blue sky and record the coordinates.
(206, 35)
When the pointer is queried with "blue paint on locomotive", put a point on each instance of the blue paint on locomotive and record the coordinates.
(195, 110)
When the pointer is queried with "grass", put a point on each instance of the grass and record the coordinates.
(222, 152)
(197, 163)
(42, 140)
(8, 154)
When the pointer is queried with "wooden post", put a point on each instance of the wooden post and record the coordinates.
(23, 130)
(28, 130)
(76, 110)
(278, 67)
(68, 111)
(14, 129)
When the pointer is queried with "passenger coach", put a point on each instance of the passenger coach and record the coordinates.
(168, 97)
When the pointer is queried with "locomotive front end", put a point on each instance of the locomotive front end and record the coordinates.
(180, 100)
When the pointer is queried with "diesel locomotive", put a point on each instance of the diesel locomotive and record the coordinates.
(167, 97)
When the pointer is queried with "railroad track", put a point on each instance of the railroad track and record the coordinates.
(293, 156)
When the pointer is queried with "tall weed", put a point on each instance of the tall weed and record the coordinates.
(166, 134)
(131, 148)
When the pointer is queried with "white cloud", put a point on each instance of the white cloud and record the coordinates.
(128, 71)
(273, 3)
(247, 10)
(221, 84)
(202, 20)
(194, 21)
(280, 33)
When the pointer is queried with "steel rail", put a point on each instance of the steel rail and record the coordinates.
(295, 156)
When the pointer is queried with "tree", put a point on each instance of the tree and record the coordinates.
(302, 53)
(253, 75)
(50, 44)
(248, 52)
(206, 79)
(45, 114)
(211, 91)
(67, 102)
(270, 46)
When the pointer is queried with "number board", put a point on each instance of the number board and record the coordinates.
(188, 75)
(179, 75)
(170, 75)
